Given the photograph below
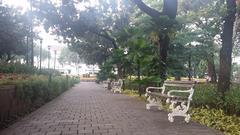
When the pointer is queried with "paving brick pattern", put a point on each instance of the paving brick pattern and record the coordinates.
(88, 109)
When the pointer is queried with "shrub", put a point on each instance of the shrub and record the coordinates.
(17, 68)
(134, 93)
(206, 94)
(48, 71)
(130, 84)
(25, 69)
(217, 119)
(232, 100)
(38, 89)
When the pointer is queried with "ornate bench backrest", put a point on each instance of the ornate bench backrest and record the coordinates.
(118, 83)
(121, 82)
(180, 85)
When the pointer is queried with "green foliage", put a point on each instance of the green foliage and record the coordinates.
(18, 68)
(46, 71)
(148, 81)
(216, 118)
(177, 61)
(106, 72)
(134, 83)
(68, 57)
(14, 29)
(232, 101)
(236, 72)
(207, 95)
(134, 93)
(130, 84)
(38, 90)
(90, 32)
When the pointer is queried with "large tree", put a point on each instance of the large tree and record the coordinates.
(164, 27)
(13, 32)
(90, 30)
(226, 50)
(204, 18)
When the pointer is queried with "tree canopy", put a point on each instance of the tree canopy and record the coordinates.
(13, 32)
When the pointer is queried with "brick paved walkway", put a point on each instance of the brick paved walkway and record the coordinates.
(88, 109)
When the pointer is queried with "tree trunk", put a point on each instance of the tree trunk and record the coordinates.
(211, 69)
(163, 48)
(119, 71)
(177, 78)
(226, 50)
(189, 69)
(170, 10)
(8, 57)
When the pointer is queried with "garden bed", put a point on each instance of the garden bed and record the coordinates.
(21, 96)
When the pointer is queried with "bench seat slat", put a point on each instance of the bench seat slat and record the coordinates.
(165, 96)
(180, 85)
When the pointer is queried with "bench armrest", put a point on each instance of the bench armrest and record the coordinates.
(155, 88)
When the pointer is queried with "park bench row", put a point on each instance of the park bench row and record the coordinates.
(114, 86)
(176, 94)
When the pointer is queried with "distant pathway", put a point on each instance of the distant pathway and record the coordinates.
(88, 109)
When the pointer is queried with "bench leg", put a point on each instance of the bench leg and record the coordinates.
(171, 117)
(112, 89)
(117, 90)
(179, 110)
(153, 102)
(148, 106)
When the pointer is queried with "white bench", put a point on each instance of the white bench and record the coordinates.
(117, 86)
(169, 93)
(106, 83)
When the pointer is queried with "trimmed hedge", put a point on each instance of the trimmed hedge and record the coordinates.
(40, 89)
(217, 119)
(25, 69)
(31, 93)
(207, 95)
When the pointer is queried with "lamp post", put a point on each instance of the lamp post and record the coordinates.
(27, 55)
(49, 56)
(40, 62)
(55, 54)
(31, 34)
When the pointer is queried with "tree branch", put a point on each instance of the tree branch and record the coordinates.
(148, 10)
(106, 36)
